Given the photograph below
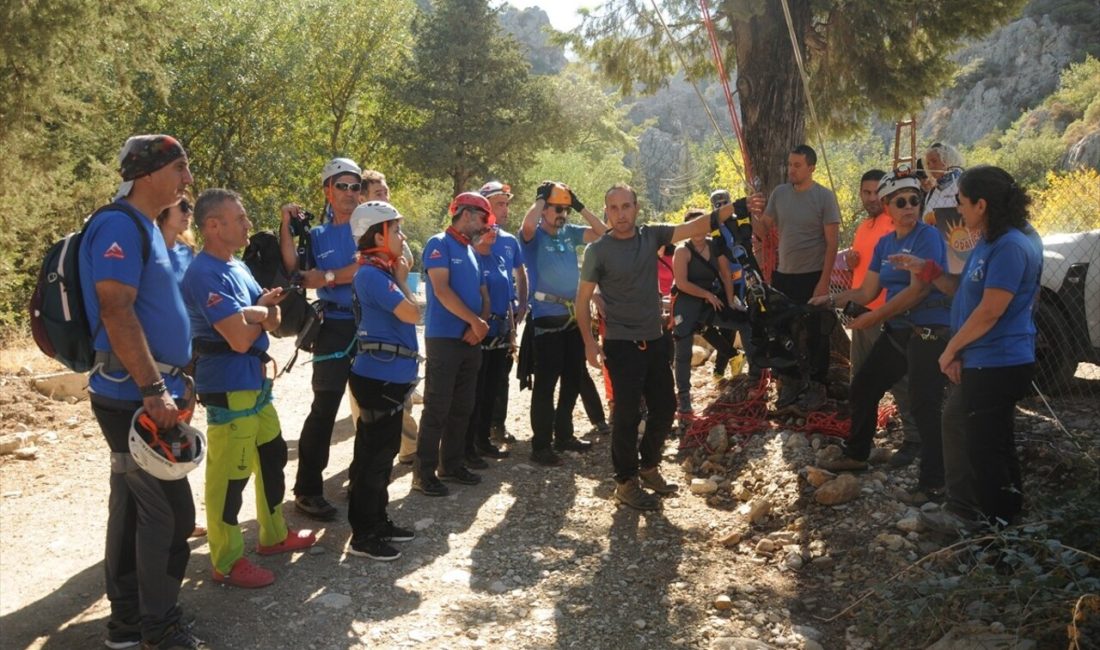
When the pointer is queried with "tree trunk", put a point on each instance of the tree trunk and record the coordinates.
(773, 104)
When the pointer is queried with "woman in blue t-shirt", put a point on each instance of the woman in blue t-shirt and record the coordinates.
(175, 225)
(991, 355)
(914, 321)
(382, 375)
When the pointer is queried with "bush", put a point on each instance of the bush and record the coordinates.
(1070, 202)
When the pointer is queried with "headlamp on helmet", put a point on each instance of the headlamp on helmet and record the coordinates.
(902, 178)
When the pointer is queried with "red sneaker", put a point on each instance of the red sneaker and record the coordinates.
(296, 540)
(246, 575)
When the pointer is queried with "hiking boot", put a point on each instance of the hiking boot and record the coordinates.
(406, 460)
(430, 486)
(789, 392)
(121, 635)
(844, 464)
(474, 461)
(461, 475)
(245, 575)
(651, 478)
(315, 507)
(601, 429)
(178, 637)
(546, 458)
(391, 532)
(630, 493)
(905, 454)
(920, 496)
(812, 398)
(499, 435)
(374, 547)
(572, 444)
(296, 540)
(492, 451)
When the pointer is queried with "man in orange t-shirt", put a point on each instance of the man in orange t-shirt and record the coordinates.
(877, 224)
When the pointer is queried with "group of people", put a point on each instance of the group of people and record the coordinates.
(163, 305)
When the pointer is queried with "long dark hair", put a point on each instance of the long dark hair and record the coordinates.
(1006, 202)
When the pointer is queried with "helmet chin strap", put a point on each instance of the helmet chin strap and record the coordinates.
(380, 256)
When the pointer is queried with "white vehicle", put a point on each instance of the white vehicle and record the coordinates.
(1067, 316)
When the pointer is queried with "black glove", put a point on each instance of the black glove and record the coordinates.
(543, 192)
(574, 202)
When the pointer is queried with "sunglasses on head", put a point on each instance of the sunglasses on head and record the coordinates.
(561, 209)
(344, 187)
(913, 201)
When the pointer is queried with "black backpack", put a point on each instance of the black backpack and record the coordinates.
(58, 322)
(264, 259)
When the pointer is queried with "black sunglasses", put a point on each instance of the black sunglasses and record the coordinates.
(901, 201)
(561, 209)
(343, 187)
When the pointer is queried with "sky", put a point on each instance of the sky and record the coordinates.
(563, 13)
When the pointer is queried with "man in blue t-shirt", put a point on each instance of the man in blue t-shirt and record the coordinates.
(328, 265)
(507, 248)
(550, 248)
(133, 301)
(454, 325)
(230, 317)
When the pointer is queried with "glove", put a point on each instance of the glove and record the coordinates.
(574, 202)
(543, 192)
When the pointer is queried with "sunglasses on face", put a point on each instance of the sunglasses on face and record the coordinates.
(344, 187)
(900, 202)
(185, 206)
(561, 209)
(718, 204)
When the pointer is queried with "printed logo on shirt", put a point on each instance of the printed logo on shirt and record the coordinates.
(456, 260)
(977, 274)
(323, 255)
(114, 252)
(212, 300)
(436, 254)
(392, 287)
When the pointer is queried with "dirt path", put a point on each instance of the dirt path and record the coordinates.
(531, 558)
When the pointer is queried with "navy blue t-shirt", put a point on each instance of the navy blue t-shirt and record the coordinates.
(111, 250)
(378, 296)
(215, 290)
(445, 252)
(333, 249)
(925, 242)
(1013, 262)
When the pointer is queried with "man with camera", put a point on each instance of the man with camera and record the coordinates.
(329, 266)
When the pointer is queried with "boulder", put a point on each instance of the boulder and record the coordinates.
(703, 486)
(63, 385)
(841, 489)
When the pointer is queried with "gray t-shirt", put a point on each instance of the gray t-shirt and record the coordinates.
(800, 218)
(626, 272)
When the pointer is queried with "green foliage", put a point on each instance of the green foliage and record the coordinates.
(1070, 202)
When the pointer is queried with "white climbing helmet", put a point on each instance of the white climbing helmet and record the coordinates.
(338, 166)
(369, 214)
(902, 178)
(168, 455)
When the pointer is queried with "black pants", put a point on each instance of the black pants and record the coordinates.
(720, 339)
(895, 354)
(377, 439)
(639, 369)
(590, 398)
(148, 522)
(450, 386)
(799, 287)
(990, 395)
(958, 477)
(493, 373)
(330, 380)
(558, 356)
(500, 406)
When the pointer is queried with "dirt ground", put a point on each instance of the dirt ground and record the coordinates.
(531, 558)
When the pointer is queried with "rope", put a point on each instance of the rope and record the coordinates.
(806, 89)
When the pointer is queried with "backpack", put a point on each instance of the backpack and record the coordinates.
(264, 259)
(59, 323)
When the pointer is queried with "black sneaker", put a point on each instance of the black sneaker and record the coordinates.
(476, 462)
(545, 457)
(394, 533)
(492, 451)
(601, 429)
(178, 637)
(905, 454)
(373, 547)
(430, 486)
(572, 444)
(315, 507)
(122, 635)
(461, 475)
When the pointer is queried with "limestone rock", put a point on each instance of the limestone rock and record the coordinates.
(703, 486)
(723, 603)
(979, 637)
(739, 643)
(699, 356)
(817, 477)
(910, 525)
(731, 538)
(718, 440)
(759, 510)
(63, 385)
(333, 600)
(840, 490)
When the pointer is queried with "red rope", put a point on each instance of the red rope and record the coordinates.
(724, 79)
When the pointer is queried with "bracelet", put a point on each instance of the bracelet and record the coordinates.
(929, 272)
(155, 389)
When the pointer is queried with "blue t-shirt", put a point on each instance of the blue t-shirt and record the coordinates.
(552, 267)
(925, 242)
(181, 256)
(378, 296)
(111, 250)
(445, 252)
(333, 249)
(1013, 263)
(508, 249)
(215, 290)
(498, 281)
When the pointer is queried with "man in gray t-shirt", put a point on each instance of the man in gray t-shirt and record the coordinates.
(808, 220)
(623, 263)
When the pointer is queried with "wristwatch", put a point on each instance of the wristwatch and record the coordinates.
(330, 279)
